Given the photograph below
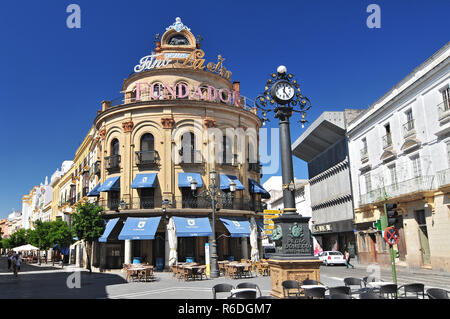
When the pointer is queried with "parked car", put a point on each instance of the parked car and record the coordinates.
(332, 258)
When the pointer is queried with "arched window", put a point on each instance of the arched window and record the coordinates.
(187, 150)
(227, 148)
(115, 147)
(147, 142)
(181, 89)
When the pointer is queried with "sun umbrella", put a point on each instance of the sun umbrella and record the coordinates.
(25, 248)
(171, 230)
(254, 240)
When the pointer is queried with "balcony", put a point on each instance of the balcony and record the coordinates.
(408, 129)
(364, 155)
(444, 111)
(254, 167)
(96, 168)
(112, 163)
(387, 141)
(411, 186)
(443, 177)
(146, 158)
(182, 202)
(72, 201)
(234, 161)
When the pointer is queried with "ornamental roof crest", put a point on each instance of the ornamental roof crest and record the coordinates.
(178, 26)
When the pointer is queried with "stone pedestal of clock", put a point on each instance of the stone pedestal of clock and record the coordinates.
(294, 255)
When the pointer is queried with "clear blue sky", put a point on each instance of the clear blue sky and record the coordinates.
(54, 78)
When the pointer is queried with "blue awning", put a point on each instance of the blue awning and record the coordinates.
(140, 228)
(111, 184)
(238, 227)
(144, 181)
(226, 179)
(184, 179)
(192, 226)
(256, 188)
(94, 191)
(108, 229)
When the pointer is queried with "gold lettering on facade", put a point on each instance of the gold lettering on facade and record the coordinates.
(197, 61)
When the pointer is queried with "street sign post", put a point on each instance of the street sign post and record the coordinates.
(269, 225)
(384, 225)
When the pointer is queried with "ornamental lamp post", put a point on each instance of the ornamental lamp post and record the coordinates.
(214, 195)
(282, 95)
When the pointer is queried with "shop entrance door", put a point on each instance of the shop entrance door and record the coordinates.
(423, 238)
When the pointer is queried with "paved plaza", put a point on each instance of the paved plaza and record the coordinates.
(46, 281)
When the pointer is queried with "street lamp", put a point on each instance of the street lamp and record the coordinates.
(282, 95)
(213, 194)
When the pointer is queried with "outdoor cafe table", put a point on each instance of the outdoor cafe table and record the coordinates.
(148, 271)
(233, 270)
(378, 284)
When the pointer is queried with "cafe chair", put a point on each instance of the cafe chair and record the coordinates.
(415, 288)
(370, 295)
(221, 288)
(317, 292)
(243, 295)
(437, 293)
(290, 288)
(340, 296)
(389, 290)
(344, 290)
(249, 285)
(351, 281)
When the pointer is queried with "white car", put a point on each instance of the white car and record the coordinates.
(332, 258)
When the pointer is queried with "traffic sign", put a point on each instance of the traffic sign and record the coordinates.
(391, 235)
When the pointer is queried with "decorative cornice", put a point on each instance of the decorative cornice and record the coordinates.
(127, 126)
(167, 122)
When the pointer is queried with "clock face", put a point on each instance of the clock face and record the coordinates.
(284, 91)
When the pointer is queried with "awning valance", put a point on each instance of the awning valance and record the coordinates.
(225, 181)
(94, 191)
(256, 188)
(108, 229)
(192, 226)
(184, 179)
(140, 228)
(238, 227)
(144, 181)
(111, 184)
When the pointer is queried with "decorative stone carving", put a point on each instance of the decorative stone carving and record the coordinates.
(127, 126)
(209, 123)
(102, 133)
(167, 122)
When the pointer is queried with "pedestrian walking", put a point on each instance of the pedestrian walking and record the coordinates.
(9, 260)
(347, 259)
(17, 262)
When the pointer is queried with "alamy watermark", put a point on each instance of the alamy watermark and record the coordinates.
(374, 19)
(73, 21)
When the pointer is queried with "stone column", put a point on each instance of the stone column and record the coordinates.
(244, 248)
(128, 249)
(127, 161)
(166, 250)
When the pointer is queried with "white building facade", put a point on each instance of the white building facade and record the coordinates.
(399, 151)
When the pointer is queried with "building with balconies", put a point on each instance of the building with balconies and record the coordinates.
(324, 147)
(399, 153)
(179, 118)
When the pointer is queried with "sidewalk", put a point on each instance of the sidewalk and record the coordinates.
(403, 269)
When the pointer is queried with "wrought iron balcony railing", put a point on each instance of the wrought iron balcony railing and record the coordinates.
(85, 191)
(146, 157)
(387, 141)
(112, 162)
(254, 167)
(413, 185)
(443, 177)
(181, 202)
(408, 128)
(191, 157)
(444, 110)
